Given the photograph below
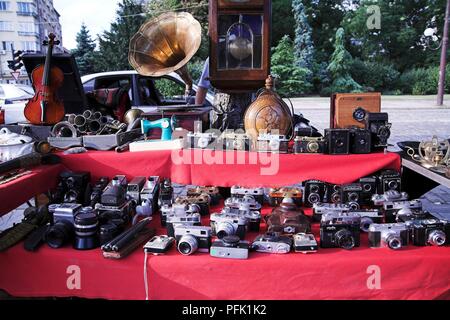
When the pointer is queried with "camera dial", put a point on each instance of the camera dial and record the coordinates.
(437, 238)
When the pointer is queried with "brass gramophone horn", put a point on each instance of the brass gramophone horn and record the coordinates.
(166, 44)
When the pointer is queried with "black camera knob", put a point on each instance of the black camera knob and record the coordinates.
(231, 240)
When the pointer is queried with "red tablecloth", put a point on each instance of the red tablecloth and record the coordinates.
(17, 192)
(412, 273)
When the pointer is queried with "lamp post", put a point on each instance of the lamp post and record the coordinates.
(441, 89)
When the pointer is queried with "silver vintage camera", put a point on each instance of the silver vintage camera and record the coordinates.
(227, 224)
(65, 211)
(148, 197)
(134, 188)
(256, 193)
(305, 243)
(236, 141)
(159, 245)
(389, 196)
(392, 235)
(200, 140)
(320, 209)
(393, 209)
(272, 243)
(272, 143)
(230, 248)
(369, 217)
(192, 238)
(188, 218)
(253, 217)
(235, 203)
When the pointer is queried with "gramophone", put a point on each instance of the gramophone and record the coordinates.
(240, 44)
(166, 44)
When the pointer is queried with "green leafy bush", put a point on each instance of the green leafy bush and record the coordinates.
(375, 76)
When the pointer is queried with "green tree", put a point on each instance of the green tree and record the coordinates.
(114, 44)
(282, 20)
(304, 47)
(339, 66)
(292, 80)
(84, 52)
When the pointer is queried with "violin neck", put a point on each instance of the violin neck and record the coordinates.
(47, 67)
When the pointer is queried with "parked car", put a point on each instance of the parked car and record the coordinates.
(146, 93)
(12, 101)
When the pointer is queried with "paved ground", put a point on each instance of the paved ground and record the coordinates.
(413, 118)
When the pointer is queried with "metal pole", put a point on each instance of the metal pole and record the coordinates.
(441, 89)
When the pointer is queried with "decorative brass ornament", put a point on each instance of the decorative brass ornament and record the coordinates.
(166, 44)
(268, 114)
(433, 155)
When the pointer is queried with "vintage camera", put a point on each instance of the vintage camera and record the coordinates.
(272, 243)
(389, 196)
(315, 192)
(159, 245)
(309, 145)
(320, 209)
(360, 141)
(189, 218)
(178, 210)
(249, 201)
(369, 186)
(389, 180)
(192, 238)
(123, 212)
(340, 230)
(392, 209)
(430, 232)
(115, 194)
(333, 194)
(380, 129)
(253, 217)
(369, 217)
(202, 201)
(236, 141)
(276, 196)
(392, 235)
(97, 191)
(288, 219)
(165, 193)
(212, 192)
(62, 230)
(272, 143)
(200, 140)
(86, 229)
(134, 188)
(256, 193)
(351, 195)
(231, 247)
(305, 243)
(149, 197)
(337, 141)
(228, 224)
(73, 187)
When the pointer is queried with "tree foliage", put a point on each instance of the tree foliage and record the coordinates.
(84, 53)
(282, 20)
(304, 47)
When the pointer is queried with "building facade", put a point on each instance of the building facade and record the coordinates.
(24, 25)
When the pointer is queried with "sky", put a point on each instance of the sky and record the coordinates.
(96, 14)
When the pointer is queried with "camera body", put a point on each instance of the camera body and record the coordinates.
(389, 196)
(202, 201)
(230, 248)
(97, 191)
(369, 217)
(320, 209)
(124, 212)
(134, 188)
(236, 141)
(192, 238)
(228, 224)
(340, 230)
(389, 180)
(272, 143)
(159, 245)
(360, 141)
(64, 211)
(369, 186)
(189, 218)
(403, 208)
(315, 192)
(115, 194)
(213, 192)
(165, 193)
(276, 196)
(253, 217)
(380, 129)
(256, 193)
(288, 219)
(333, 194)
(351, 194)
(198, 140)
(73, 187)
(272, 243)
(248, 201)
(305, 243)
(391, 235)
(430, 232)
(309, 145)
(177, 210)
(149, 197)
(337, 141)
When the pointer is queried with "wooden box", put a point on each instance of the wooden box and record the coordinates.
(349, 109)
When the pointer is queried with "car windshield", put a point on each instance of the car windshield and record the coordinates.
(12, 92)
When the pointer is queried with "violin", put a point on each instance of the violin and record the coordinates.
(45, 108)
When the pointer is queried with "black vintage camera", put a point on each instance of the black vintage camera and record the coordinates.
(334, 193)
(337, 141)
(360, 141)
(351, 194)
(97, 191)
(431, 232)
(115, 194)
(73, 187)
(380, 129)
(389, 180)
(340, 230)
(309, 145)
(315, 192)
(369, 186)
(165, 193)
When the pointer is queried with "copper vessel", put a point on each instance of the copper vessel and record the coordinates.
(268, 114)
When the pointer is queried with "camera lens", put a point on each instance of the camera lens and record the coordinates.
(313, 147)
(365, 224)
(313, 198)
(202, 143)
(314, 189)
(86, 226)
(394, 242)
(384, 133)
(437, 238)
(354, 206)
(367, 187)
(231, 241)
(108, 232)
(393, 185)
(71, 196)
(187, 245)
(70, 182)
(339, 143)
(59, 234)
(224, 229)
(353, 197)
(345, 240)
(336, 198)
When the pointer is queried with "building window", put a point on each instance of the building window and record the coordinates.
(28, 28)
(6, 26)
(29, 46)
(26, 8)
(6, 45)
(4, 5)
